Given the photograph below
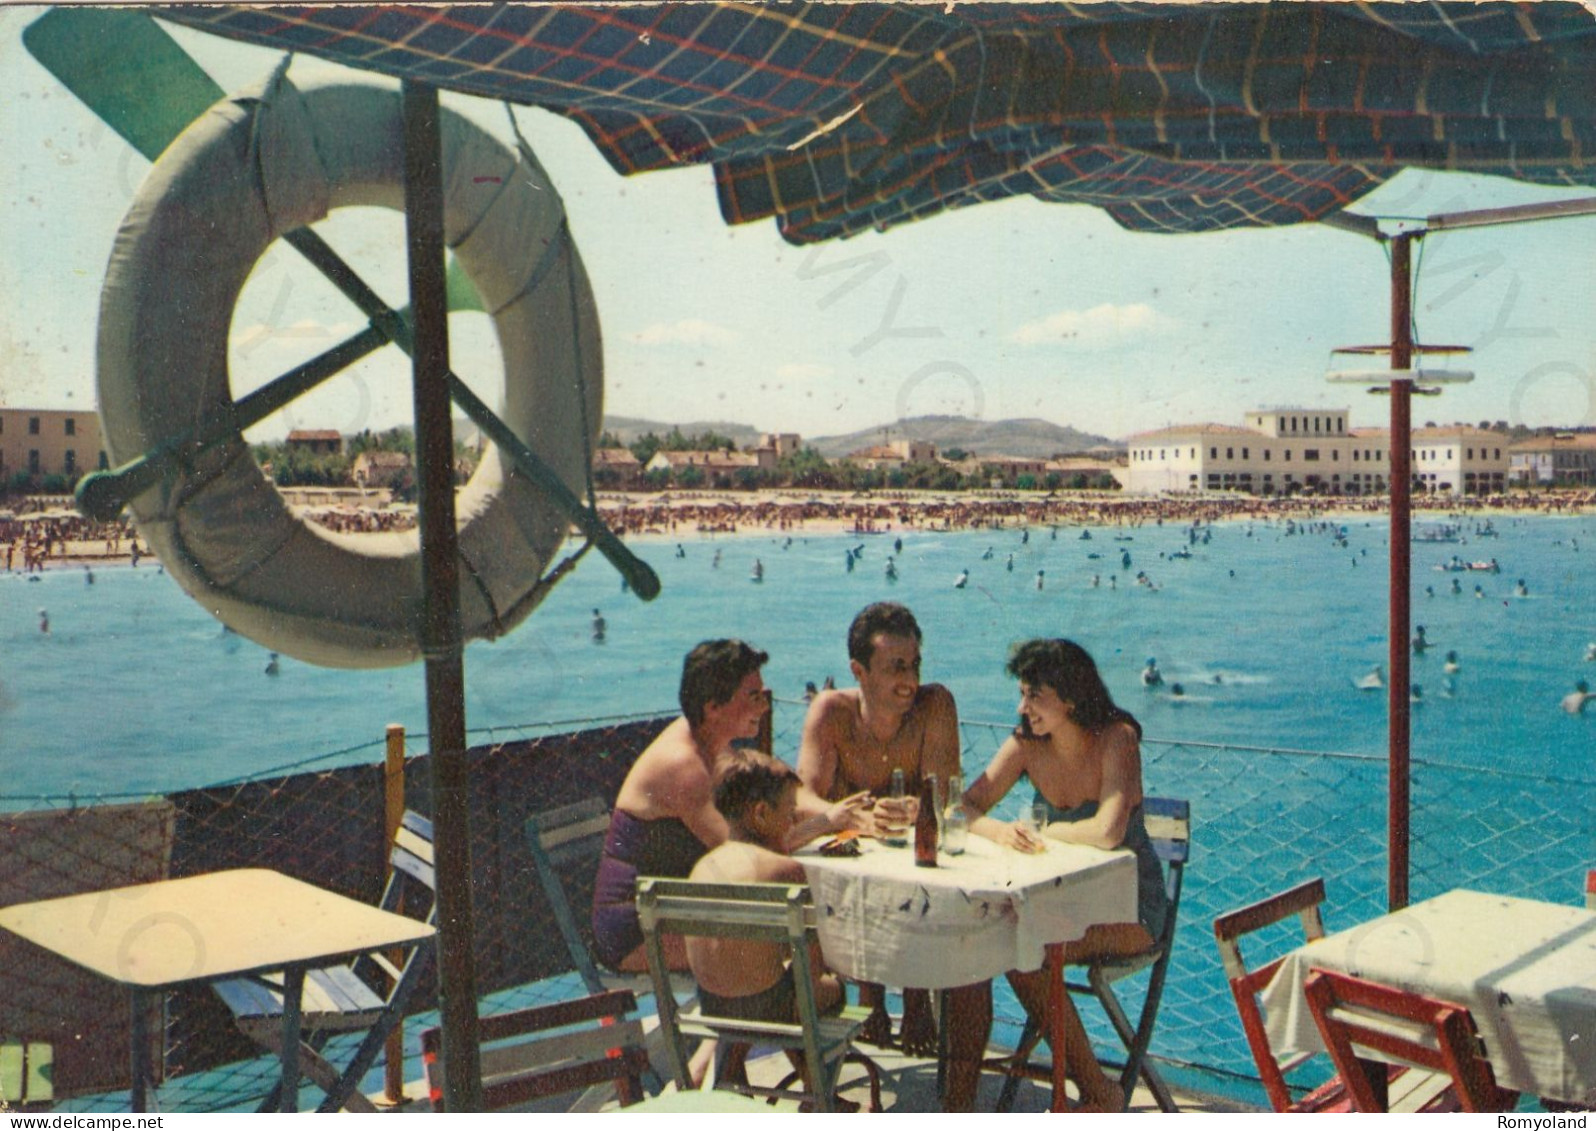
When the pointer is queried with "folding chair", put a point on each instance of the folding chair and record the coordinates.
(776, 913)
(341, 999)
(1169, 827)
(1302, 901)
(1407, 1027)
(573, 1045)
(575, 834)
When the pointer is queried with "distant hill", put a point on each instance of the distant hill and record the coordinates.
(630, 428)
(1024, 437)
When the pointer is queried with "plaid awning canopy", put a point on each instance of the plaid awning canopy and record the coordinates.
(838, 118)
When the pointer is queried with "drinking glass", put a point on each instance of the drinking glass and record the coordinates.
(1040, 813)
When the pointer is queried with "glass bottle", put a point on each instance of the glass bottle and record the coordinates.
(955, 825)
(925, 824)
(896, 838)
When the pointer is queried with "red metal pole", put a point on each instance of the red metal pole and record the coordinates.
(1399, 708)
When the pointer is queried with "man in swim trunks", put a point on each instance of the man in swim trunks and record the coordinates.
(853, 739)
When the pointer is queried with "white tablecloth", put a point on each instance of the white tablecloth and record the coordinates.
(881, 919)
(1526, 970)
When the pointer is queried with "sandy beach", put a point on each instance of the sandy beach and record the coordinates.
(58, 539)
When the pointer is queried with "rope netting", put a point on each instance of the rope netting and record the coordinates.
(1263, 819)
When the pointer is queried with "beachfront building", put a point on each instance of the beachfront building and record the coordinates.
(892, 456)
(1086, 471)
(36, 442)
(1566, 458)
(1296, 450)
(316, 441)
(1460, 460)
(784, 444)
(617, 468)
(1009, 471)
(375, 468)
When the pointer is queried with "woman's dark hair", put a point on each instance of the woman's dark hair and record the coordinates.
(712, 672)
(1066, 667)
(749, 777)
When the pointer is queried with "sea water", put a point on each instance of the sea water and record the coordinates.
(136, 689)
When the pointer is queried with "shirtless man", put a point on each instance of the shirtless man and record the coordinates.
(853, 739)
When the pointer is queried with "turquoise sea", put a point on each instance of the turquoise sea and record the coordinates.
(136, 689)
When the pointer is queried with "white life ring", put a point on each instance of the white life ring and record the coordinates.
(251, 169)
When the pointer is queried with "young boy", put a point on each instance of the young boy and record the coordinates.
(752, 981)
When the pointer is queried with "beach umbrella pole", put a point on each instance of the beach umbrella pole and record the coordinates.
(1401, 486)
(440, 586)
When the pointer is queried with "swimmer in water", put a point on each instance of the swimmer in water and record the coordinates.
(1151, 676)
(598, 627)
(272, 666)
(1574, 702)
(1040, 575)
(1176, 690)
(715, 563)
(1451, 664)
(1457, 587)
(1420, 643)
(88, 576)
(1521, 589)
(1478, 591)
(962, 580)
(1372, 681)
(1590, 652)
(44, 622)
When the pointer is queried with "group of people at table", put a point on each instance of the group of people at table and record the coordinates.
(696, 804)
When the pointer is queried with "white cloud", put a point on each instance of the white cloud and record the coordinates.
(1096, 325)
(687, 332)
(803, 372)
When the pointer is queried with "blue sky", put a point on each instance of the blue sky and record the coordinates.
(1017, 309)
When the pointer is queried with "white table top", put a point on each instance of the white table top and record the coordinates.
(990, 910)
(222, 924)
(1526, 970)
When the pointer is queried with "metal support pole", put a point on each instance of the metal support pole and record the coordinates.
(440, 585)
(1399, 706)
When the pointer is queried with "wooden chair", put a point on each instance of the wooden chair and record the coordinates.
(1303, 901)
(556, 837)
(1169, 827)
(550, 1050)
(343, 999)
(775, 913)
(575, 833)
(1353, 1013)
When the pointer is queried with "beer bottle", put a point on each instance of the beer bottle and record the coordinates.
(925, 824)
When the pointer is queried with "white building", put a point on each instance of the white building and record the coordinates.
(1567, 457)
(1287, 450)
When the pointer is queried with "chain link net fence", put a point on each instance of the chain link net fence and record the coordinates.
(1263, 819)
